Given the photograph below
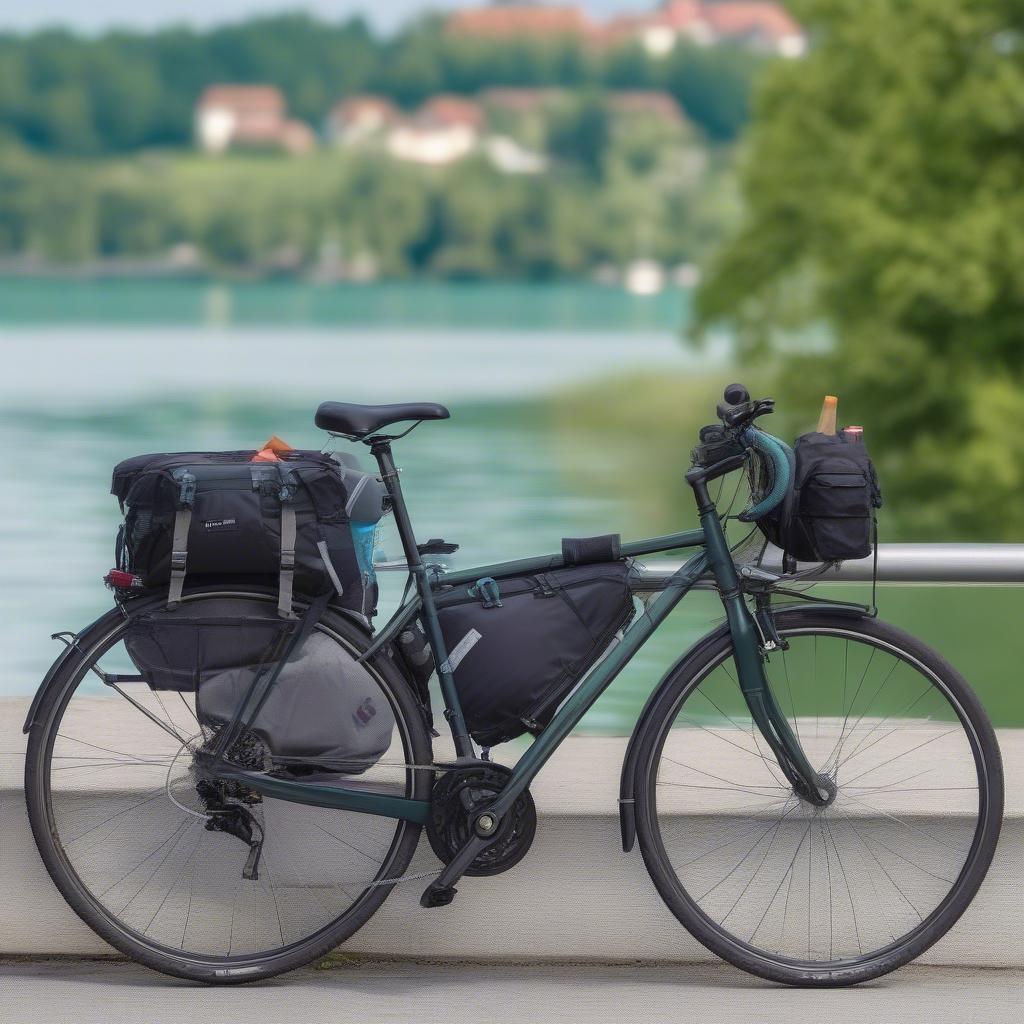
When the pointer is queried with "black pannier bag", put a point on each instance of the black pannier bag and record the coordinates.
(518, 646)
(215, 516)
(323, 711)
(829, 513)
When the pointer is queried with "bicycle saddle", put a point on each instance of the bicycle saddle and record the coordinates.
(361, 420)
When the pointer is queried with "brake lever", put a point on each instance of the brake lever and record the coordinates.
(741, 415)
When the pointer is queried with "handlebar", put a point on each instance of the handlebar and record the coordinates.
(783, 466)
(738, 410)
(737, 413)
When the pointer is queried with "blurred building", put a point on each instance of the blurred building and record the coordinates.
(359, 119)
(253, 116)
(504, 21)
(444, 129)
(761, 25)
(507, 125)
(646, 103)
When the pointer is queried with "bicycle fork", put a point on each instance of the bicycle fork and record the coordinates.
(809, 785)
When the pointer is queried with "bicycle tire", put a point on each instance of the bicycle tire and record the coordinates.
(685, 679)
(216, 970)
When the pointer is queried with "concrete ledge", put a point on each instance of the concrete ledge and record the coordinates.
(576, 896)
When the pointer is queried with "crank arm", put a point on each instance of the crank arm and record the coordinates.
(442, 890)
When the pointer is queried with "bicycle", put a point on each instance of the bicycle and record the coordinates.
(816, 795)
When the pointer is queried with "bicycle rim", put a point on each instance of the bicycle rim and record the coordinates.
(127, 841)
(858, 887)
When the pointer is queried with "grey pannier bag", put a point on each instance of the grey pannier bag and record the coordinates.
(323, 711)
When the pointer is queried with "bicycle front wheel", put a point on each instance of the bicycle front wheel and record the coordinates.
(156, 859)
(812, 895)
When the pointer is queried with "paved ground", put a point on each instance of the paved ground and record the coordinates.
(82, 991)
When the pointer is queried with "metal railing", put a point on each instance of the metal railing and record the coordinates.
(929, 564)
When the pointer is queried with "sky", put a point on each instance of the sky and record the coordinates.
(95, 15)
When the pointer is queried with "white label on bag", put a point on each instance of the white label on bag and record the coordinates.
(460, 650)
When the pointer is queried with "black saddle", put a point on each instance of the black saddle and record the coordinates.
(361, 420)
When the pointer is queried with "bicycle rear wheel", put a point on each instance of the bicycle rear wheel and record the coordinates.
(829, 895)
(123, 825)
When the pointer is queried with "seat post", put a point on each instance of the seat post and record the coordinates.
(381, 449)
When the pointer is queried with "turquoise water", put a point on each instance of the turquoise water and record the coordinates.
(537, 307)
(95, 372)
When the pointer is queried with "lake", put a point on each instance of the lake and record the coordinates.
(540, 444)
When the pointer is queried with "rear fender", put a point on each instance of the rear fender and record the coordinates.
(72, 648)
(102, 625)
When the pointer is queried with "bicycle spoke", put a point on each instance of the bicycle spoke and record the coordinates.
(160, 847)
(898, 757)
(816, 884)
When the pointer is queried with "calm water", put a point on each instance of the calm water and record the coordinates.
(94, 372)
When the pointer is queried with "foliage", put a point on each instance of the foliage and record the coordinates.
(265, 214)
(882, 184)
(580, 133)
(65, 93)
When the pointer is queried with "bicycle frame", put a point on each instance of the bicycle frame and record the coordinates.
(712, 554)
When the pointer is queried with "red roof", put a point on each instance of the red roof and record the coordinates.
(681, 13)
(245, 99)
(352, 107)
(734, 18)
(508, 21)
(451, 110)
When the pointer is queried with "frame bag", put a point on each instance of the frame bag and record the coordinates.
(518, 646)
(829, 513)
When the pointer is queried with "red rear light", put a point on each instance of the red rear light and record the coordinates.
(118, 580)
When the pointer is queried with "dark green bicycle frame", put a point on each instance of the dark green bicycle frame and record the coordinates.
(713, 555)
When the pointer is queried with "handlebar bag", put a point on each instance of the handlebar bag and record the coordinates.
(518, 646)
(829, 515)
(237, 508)
(323, 711)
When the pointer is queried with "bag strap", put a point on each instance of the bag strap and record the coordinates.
(321, 546)
(325, 557)
(286, 582)
(287, 645)
(179, 543)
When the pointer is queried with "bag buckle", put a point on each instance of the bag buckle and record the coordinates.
(187, 494)
(178, 559)
(545, 587)
(487, 591)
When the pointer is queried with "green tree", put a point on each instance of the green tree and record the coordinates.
(884, 203)
(580, 132)
(713, 85)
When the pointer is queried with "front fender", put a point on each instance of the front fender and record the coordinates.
(687, 663)
(627, 781)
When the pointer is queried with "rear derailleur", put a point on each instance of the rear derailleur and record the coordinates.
(224, 815)
(227, 803)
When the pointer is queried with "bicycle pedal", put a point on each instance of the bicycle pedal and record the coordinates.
(438, 896)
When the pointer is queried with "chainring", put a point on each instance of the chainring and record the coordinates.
(459, 797)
